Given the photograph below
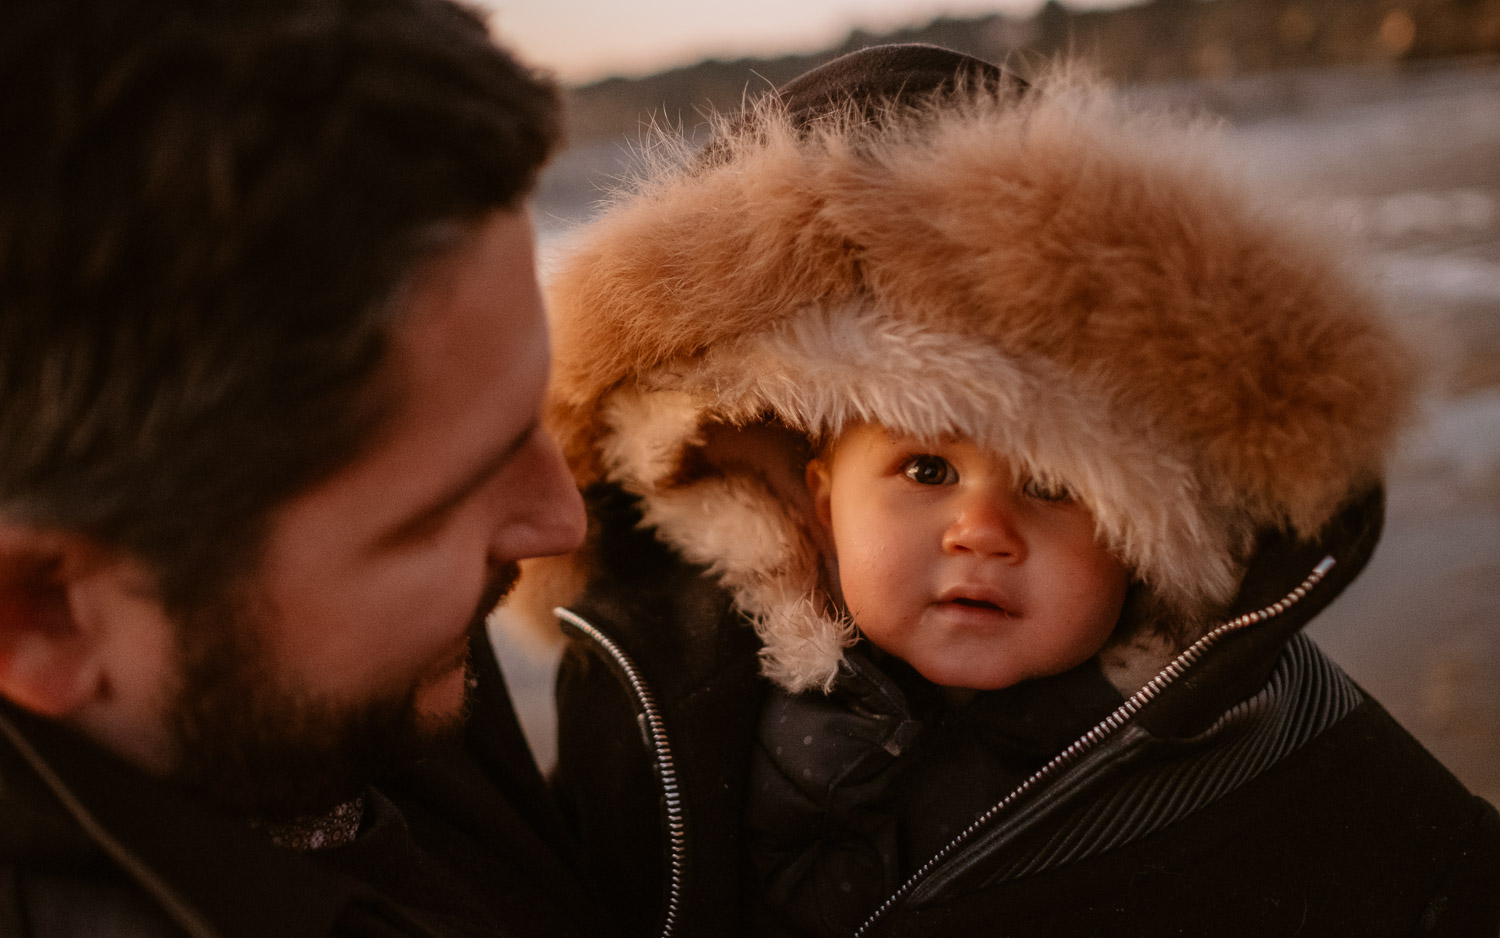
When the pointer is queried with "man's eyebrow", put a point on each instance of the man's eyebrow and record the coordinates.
(466, 487)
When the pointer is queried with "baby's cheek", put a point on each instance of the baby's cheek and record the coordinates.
(878, 551)
(873, 580)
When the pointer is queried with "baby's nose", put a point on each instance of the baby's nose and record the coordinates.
(985, 525)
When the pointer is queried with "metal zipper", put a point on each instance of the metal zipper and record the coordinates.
(666, 765)
(1102, 731)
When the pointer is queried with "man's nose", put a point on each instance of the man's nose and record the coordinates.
(544, 513)
(986, 524)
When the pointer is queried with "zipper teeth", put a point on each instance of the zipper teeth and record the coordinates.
(666, 765)
(1103, 730)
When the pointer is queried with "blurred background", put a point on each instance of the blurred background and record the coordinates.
(1386, 113)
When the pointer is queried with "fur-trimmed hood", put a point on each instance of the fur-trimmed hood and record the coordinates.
(1063, 277)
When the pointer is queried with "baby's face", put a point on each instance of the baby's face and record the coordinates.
(948, 561)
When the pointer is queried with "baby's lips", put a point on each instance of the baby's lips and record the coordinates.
(978, 595)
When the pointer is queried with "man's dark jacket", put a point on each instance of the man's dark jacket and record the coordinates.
(465, 843)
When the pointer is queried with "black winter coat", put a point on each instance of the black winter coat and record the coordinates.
(851, 789)
(1254, 792)
(467, 843)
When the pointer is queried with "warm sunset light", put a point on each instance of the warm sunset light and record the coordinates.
(584, 40)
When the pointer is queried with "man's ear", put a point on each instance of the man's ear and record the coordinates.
(50, 660)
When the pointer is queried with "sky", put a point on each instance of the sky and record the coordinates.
(584, 40)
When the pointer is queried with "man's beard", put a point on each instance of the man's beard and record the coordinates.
(261, 750)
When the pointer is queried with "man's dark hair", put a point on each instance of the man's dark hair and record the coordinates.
(208, 211)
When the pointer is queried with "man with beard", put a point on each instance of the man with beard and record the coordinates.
(271, 360)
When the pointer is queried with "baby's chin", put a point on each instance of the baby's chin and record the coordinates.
(968, 676)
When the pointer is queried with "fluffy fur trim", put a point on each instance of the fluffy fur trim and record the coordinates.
(1068, 281)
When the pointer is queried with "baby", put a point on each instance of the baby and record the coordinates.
(962, 574)
(964, 463)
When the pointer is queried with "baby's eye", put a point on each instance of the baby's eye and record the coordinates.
(1046, 492)
(927, 469)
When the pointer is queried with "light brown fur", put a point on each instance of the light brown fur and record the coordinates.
(1068, 279)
